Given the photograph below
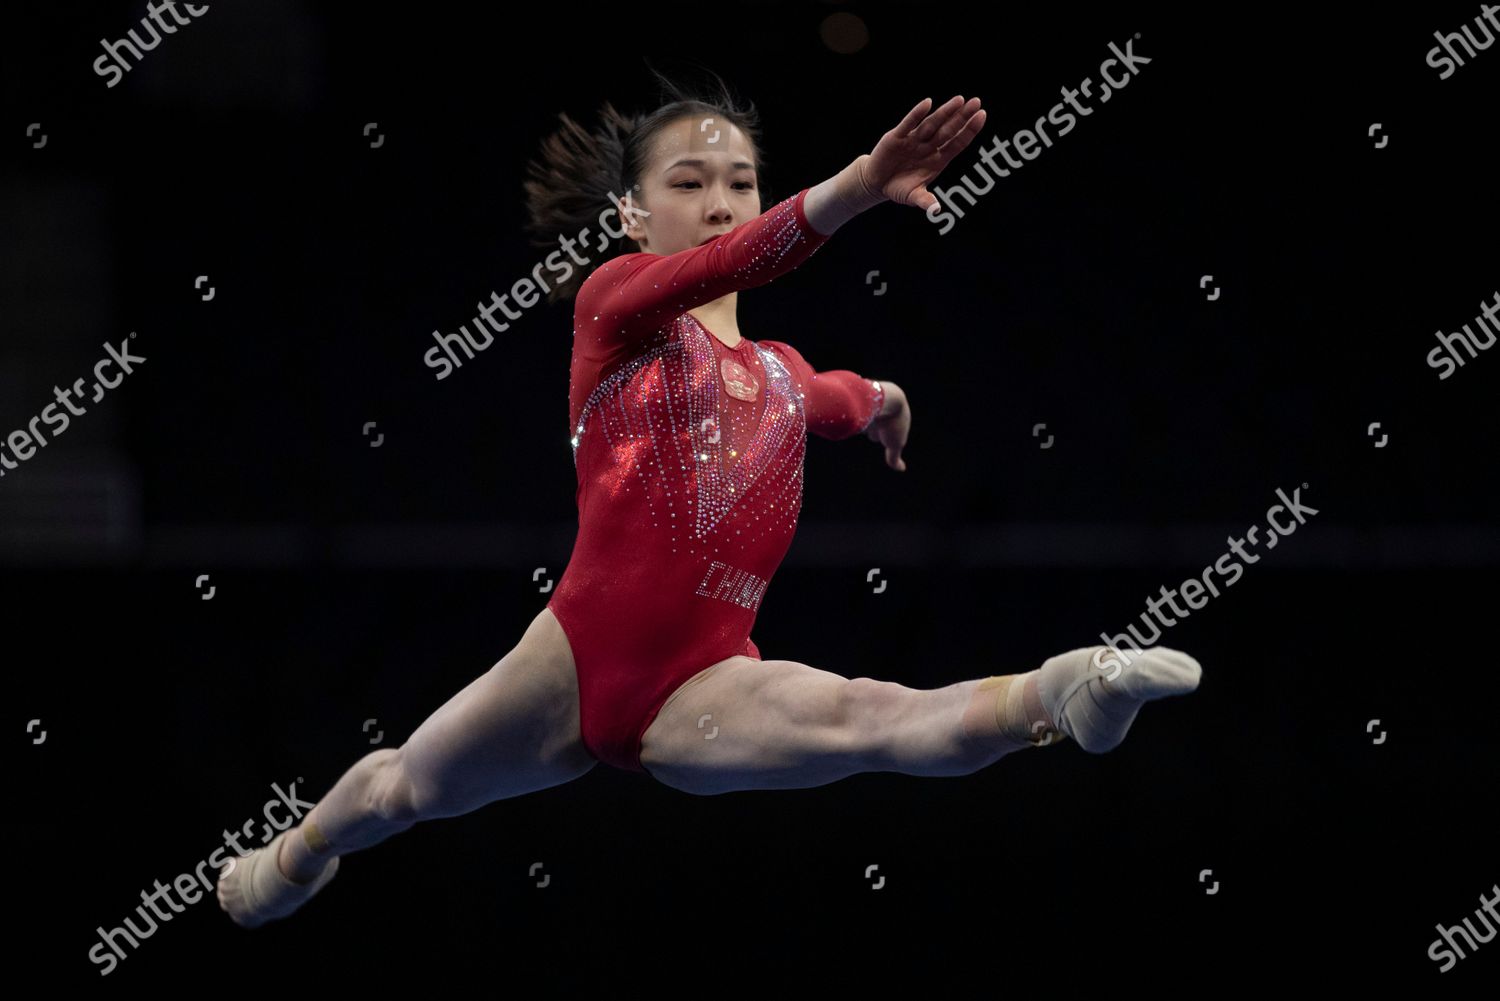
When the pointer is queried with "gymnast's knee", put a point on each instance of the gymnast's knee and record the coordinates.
(868, 711)
(392, 795)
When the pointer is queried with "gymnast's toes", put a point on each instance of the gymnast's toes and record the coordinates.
(230, 893)
(1160, 671)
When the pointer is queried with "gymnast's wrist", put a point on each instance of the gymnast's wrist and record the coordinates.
(833, 202)
(892, 398)
(854, 180)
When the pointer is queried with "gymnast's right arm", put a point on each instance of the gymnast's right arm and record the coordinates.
(631, 297)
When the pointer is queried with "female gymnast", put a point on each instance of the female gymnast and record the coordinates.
(688, 441)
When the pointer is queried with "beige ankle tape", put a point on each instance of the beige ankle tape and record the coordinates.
(314, 838)
(1024, 701)
(1001, 681)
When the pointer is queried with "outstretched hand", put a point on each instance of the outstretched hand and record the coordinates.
(911, 155)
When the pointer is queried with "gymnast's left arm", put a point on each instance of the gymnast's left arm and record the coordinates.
(840, 404)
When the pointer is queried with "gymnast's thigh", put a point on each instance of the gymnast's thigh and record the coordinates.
(753, 724)
(512, 730)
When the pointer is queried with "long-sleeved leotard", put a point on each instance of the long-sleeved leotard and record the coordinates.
(689, 459)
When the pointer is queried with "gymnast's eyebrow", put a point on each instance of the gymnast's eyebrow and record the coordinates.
(738, 165)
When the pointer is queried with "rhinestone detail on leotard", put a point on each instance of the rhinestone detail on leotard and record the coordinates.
(669, 428)
(732, 584)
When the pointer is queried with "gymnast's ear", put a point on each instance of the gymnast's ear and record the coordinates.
(631, 213)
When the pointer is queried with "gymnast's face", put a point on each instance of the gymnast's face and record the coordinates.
(701, 184)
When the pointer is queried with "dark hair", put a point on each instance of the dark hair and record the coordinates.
(569, 185)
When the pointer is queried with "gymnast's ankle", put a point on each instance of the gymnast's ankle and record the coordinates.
(1009, 707)
(304, 866)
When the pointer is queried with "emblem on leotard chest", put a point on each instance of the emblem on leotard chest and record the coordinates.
(739, 381)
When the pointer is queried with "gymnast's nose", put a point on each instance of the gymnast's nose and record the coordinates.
(718, 212)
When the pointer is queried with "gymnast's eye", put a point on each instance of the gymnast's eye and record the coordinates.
(748, 185)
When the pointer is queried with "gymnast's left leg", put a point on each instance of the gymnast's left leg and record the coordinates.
(746, 724)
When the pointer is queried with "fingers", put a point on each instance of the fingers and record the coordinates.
(964, 136)
(943, 123)
(933, 122)
(913, 117)
(957, 124)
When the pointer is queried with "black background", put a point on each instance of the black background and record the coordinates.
(357, 583)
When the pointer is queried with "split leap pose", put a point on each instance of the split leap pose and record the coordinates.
(688, 441)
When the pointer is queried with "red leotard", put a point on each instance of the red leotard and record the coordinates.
(689, 460)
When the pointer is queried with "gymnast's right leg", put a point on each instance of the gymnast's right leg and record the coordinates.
(513, 730)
